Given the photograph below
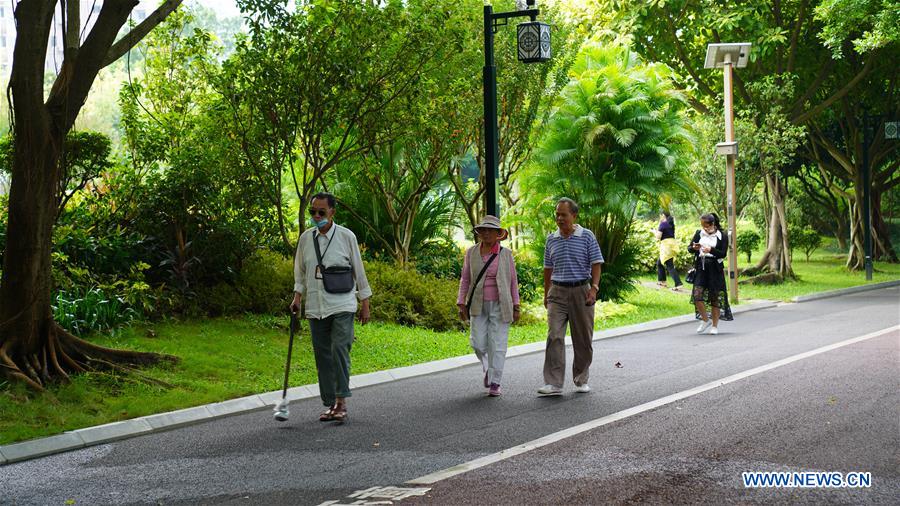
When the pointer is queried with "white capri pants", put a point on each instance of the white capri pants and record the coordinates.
(489, 337)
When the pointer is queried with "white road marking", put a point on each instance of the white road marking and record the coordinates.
(435, 477)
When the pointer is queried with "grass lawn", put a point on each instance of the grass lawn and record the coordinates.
(224, 358)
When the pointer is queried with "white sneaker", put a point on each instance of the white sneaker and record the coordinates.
(583, 388)
(703, 326)
(714, 330)
(550, 390)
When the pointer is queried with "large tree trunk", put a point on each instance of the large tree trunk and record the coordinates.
(34, 349)
(882, 248)
(777, 257)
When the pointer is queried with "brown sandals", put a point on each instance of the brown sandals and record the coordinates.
(339, 414)
(334, 414)
(327, 415)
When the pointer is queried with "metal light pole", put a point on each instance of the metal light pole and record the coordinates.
(867, 196)
(728, 56)
(891, 132)
(491, 141)
(534, 46)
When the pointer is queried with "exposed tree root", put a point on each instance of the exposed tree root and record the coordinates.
(64, 354)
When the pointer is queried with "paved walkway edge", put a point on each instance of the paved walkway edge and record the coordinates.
(845, 291)
(114, 431)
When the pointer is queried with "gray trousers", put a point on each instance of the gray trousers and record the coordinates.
(332, 338)
(565, 307)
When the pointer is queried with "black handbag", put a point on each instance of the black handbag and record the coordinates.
(691, 276)
(337, 278)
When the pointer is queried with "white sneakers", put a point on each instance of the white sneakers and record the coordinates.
(548, 390)
(703, 326)
(714, 330)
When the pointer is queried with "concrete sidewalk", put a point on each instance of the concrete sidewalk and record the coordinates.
(164, 421)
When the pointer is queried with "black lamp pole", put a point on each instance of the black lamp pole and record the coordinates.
(867, 196)
(491, 141)
(491, 131)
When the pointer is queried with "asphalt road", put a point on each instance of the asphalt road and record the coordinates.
(837, 411)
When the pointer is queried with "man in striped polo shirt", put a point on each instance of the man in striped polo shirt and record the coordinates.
(572, 261)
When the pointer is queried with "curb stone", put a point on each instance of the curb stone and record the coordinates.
(178, 418)
(159, 422)
(43, 446)
(845, 291)
(113, 431)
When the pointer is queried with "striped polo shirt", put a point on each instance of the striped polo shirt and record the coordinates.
(571, 257)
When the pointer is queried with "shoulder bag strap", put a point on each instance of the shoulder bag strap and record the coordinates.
(478, 279)
(315, 240)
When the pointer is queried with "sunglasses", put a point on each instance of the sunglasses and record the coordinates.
(318, 212)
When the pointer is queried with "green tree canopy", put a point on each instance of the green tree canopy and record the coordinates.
(615, 137)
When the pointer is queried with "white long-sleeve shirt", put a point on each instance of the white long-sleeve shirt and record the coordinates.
(343, 250)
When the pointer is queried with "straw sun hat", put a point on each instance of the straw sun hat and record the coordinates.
(490, 221)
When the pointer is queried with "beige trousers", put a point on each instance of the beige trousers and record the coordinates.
(566, 307)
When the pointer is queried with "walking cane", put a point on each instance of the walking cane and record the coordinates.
(281, 409)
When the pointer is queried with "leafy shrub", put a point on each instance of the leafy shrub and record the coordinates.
(618, 277)
(440, 259)
(82, 311)
(99, 251)
(404, 296)
(645, 243)
(530, 273)
(747, 241)
(806, 239)
(263, 285)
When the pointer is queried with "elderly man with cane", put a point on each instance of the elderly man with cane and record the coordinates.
(329, 275)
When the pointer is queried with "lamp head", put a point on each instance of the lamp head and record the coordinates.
(737, 53)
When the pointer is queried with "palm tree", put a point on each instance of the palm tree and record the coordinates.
(614, 138)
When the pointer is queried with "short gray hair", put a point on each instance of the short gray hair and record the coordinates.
(573, 206)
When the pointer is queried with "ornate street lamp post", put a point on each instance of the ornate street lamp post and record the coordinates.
(533, 47)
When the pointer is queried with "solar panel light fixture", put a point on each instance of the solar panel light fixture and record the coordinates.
(736, 53)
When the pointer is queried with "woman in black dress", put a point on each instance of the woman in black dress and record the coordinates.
(709, 246)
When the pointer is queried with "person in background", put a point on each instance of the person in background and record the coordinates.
(709, 247)
(668, 249)
(572, 260)
(489, 299)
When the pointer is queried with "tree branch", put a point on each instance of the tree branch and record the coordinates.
(683, 58)
(140, 31)
(795, 36)
(840, 93)
(823, 73)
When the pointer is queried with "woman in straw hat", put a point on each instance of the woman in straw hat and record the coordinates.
(489, 296)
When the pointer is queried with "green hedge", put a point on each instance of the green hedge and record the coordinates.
(400, 295)
(407, 297)
(263, 286)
